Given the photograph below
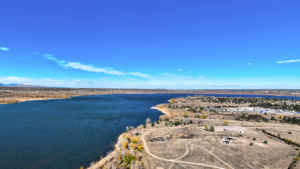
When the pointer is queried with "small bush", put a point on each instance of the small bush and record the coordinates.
(152, 124)
(128, 159)
(254, 138)
(144, 125)
(212, 129)
(206, 128)
(251, 144)
(266, 142)
(290, 132)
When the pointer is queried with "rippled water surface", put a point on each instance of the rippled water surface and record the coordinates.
(70, 133)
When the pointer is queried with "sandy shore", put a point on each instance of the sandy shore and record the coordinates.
(163, 110)
(32, 99)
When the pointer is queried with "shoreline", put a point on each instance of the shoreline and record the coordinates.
(163, 110)
(111, 155)
(219, 93)
(107, 157)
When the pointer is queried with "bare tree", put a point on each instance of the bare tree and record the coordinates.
(148, 121)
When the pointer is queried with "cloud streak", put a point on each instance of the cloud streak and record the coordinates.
(90, 68)
(289, 61)
(4, 48)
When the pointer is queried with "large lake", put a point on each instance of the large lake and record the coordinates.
(70, 133)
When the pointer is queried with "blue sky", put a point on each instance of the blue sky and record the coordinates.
(151, 44)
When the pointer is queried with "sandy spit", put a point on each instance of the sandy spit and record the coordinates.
(163, 110)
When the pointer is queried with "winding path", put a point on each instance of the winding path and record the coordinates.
(177, 159)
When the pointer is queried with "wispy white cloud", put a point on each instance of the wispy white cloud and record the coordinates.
(4, 48)
(50, 57)
(190, 72)
(76, 65)
(179, 69)
(90, 68)
(14, 79)
(140, 75)
(289, 61)
(248, 63)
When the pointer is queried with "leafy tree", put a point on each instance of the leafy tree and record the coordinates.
(206, 128)
(212, 129)
(226, 122)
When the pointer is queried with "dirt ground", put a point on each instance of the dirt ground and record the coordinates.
(237, 154)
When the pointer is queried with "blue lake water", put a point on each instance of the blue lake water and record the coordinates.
(69, 133)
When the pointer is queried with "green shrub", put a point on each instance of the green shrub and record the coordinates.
(152, 124)
(266, 142)
(290, 132)
(254, 138)
(251, 144)
(128, 159)
(212, 128)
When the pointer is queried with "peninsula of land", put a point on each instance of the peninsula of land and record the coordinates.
(211, 132)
